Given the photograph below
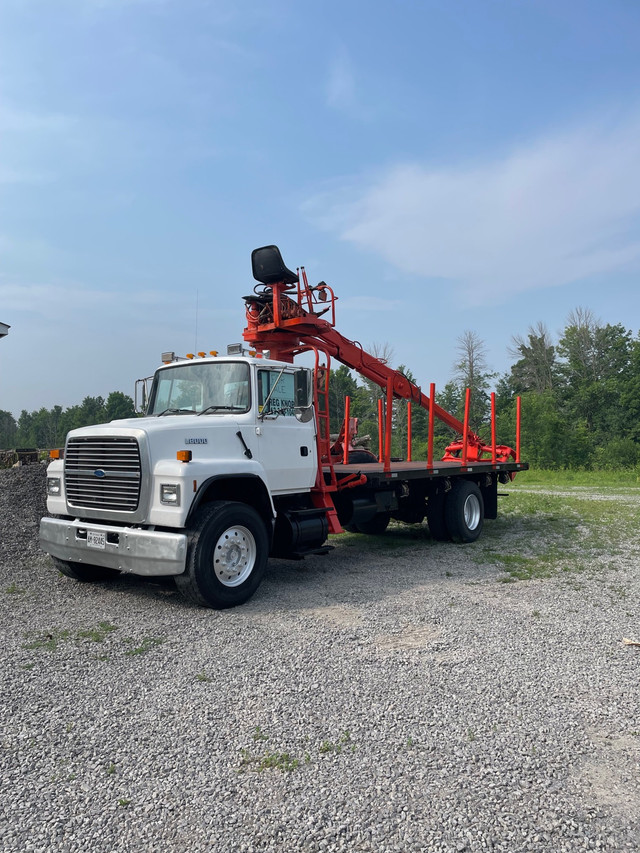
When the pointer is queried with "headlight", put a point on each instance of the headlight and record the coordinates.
(170, 494)
(53, 486)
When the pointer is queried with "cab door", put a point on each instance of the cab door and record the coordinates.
(285, 430)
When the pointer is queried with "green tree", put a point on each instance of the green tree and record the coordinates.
(536, 368)
(544, 439)
(471, 371)
(630, 393)
(419, 424)
(595, 364)
(24, 437)
(119, 406)
(341, 385)
(8, 430)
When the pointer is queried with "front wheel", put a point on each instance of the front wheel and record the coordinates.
(227, 555)
(84, 572)
(464, 511)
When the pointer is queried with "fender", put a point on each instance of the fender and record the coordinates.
(242, 484)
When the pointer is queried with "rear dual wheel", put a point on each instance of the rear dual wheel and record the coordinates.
(457, 515)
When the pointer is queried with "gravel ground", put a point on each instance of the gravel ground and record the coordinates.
(377, 699)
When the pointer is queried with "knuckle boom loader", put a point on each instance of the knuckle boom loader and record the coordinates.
(233, 460)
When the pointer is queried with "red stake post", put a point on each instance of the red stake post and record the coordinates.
(465, 438)
(387, 425)
(345, 440)
(493, 427)
(518, 430)
(380, 429)
(409, 431)
(432, 395)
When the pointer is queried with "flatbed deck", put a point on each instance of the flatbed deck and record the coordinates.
(375, 471)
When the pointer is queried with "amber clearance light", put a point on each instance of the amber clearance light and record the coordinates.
(183, 456)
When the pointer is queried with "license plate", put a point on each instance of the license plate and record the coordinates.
(96, 539)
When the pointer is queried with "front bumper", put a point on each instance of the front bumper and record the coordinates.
(128, 549)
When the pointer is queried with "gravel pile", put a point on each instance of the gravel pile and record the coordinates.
(377, 699)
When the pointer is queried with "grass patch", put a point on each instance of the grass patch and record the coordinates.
(343, 742)
(51, 639)
(97, 635)
(589, 479)
(14, 589)
(268, 761)
(538, 535)
(146, 645)
(286, 761)
(48, 640)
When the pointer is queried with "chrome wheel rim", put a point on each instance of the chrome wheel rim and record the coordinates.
(472, 512)
(234, 556)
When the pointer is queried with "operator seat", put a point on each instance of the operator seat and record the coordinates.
(268, 267)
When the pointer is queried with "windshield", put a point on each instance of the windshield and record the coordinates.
(201, 387)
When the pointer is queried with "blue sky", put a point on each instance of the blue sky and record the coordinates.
(443, 165)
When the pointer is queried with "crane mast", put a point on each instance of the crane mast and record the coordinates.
(285, 315)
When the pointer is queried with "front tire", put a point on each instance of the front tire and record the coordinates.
(464, 511)
(227, 555)
(85, 572)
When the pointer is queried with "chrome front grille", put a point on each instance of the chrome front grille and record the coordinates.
(103, 473)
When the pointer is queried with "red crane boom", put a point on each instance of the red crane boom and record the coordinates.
(285, 317)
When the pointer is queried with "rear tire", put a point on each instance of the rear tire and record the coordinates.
(464, 511)
(226, 557)
(85, 572)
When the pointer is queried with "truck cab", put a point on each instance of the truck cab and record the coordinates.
(229, 437)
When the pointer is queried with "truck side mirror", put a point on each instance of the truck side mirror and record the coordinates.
(141, 395)
(303, 407)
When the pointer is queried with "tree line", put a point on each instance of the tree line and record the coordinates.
(47, 428)
(580, 400)
(580, 397)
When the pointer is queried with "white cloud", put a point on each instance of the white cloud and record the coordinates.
(552, 212)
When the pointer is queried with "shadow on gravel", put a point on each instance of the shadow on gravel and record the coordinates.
(379, 569)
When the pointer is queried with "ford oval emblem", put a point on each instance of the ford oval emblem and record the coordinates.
(100, 473)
